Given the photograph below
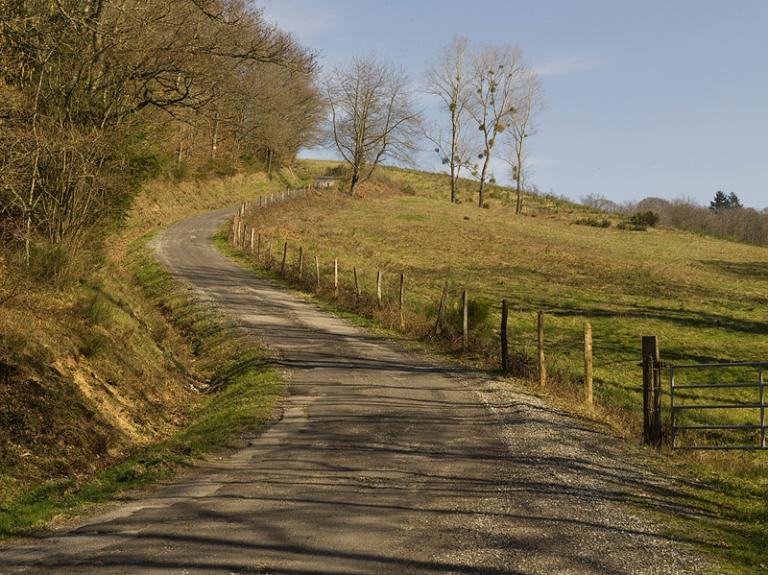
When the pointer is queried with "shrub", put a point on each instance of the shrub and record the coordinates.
(252, 164)
(146, 165)
(594, 222)
(629, 226)
(180, 171)
(646, 219)
(478, 313)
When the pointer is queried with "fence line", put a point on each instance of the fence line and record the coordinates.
(249, 240)
(239, 232)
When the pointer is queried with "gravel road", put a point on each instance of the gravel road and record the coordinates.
(382, 463)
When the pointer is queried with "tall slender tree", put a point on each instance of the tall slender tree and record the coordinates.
(496, 80)
(522, 127)
(449, 78)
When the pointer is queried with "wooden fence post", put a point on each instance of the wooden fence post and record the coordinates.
(588, 364)
(378, 288)
(258, 248)
(402, 301)
(464, 321)
(253, 239)
(285, 257)
(336, 278)
(301, 263)
(317, 272)
(542, 362)
(504, 338)
(441, 310)
(357, 287)
(651, 391)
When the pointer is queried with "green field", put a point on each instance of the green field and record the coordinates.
(704, 298)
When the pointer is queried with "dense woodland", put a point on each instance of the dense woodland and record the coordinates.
(96, 96)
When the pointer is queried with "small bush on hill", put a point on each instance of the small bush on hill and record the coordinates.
(594, 222)
(647, 219)
(640, 221)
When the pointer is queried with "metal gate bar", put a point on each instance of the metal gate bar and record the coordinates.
(760, 404)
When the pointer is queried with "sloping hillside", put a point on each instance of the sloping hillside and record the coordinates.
(105, 363)
(704, 298)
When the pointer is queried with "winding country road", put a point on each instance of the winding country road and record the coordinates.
(382, 463)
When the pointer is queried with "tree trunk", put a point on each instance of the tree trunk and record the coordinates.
(353, 182)
(215, 136)
(519, 205)
(454, 145)
(481, 191)
(454, 177)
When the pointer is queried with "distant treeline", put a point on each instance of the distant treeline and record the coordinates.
(99, 95)
(728, 221)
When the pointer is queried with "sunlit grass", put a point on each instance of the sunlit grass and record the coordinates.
(704, 298)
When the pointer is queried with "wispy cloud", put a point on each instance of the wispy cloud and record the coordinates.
(571, 64)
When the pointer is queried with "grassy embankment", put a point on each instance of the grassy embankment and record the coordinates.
(704, 298)
(115, 376)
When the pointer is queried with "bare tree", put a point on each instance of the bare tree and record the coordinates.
(600, 202)
(373, 117)
(497, 75)
(522, 126)
(449, 79)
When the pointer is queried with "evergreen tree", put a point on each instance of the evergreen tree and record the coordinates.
(723, 201)
(720, 202)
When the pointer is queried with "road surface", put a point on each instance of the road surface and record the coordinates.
(382, 463)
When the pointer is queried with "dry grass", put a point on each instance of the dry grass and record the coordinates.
(90, 369)
(92, 374)
(702, 297)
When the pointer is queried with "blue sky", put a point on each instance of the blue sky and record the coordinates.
(663, 98)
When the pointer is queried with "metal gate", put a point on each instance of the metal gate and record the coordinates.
(757, 428)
